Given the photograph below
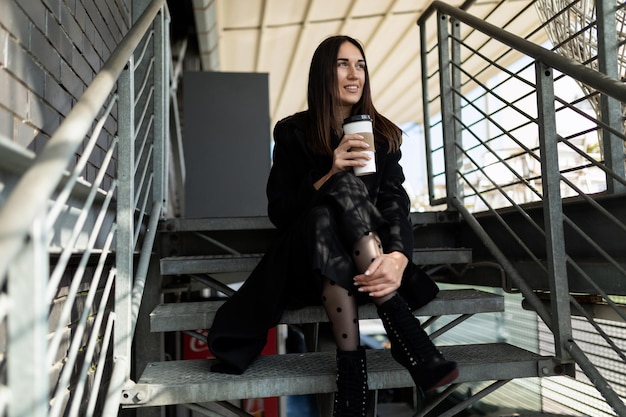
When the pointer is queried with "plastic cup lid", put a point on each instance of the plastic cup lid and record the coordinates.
(357, 118)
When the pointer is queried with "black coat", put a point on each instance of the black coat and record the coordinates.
(295, 169)
(282, 279)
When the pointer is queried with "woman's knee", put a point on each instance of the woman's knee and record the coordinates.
(320, 217)
(346, 179)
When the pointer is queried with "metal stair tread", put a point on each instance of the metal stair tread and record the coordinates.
(207, 264)
(199, 315)
(191, 381)
(264, 223)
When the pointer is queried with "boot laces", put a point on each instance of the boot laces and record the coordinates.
(351, 397)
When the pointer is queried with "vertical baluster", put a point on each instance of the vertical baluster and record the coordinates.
(28, 327)
(610, 107)
(553, 210)
(161, 83)
(125, 213)
(447, 109)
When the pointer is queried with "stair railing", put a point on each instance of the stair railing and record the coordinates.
(77, 228)
(498, 142)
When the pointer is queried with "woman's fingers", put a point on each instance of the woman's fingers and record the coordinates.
(353, 141)
(380, 281)
(378, 289)
(381, 278)
(350, 153)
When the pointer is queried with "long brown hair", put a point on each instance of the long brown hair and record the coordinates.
(323, 100)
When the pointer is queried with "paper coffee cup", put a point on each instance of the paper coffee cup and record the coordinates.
(362, 124)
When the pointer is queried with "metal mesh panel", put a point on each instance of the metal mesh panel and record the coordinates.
(514, 326)
(572, 28)
(568, 395)
(518, 141)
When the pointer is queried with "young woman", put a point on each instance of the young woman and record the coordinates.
(342, 240)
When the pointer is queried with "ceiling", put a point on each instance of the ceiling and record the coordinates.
(278, 37)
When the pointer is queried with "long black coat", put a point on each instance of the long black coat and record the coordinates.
(286, 276)
(290, 189)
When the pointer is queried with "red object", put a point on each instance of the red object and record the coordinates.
(258, 407)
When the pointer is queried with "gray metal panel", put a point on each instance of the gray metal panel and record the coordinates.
(227, 139)
(191, 381)
(230, 263)
(199, 315)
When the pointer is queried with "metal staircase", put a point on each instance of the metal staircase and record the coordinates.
(192, 382)
(89, 245)
(509, 193)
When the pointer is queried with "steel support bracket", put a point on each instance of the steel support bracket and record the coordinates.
(135, 395)
(553, 367)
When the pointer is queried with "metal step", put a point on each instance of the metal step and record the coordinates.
(211, 224)
(199, 315)
(212, 264)
(191, 381)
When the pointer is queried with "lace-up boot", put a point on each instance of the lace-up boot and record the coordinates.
(412, 348)
(352, 390)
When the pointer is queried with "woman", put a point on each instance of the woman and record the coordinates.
(342, 240)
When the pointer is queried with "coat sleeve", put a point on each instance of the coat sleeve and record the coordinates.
(394, 205)
(290, 184)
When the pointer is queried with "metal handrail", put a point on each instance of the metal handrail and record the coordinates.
(459, 177)
(607, 85)
(38, 184)
(77, 232)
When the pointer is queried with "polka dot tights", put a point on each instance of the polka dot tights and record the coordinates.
(340, 304)
(341, 308)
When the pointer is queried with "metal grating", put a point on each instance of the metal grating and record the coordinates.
(191, 381)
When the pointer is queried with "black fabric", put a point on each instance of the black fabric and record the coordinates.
(417, 288)
(316, 231)
(295, 169)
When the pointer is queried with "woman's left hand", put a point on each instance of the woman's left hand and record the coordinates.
(384, 275)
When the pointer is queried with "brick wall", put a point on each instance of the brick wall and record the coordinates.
(50, 50)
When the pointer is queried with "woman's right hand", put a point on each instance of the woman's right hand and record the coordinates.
(348, 154)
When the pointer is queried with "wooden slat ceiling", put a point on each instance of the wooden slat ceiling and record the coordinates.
(278, 37)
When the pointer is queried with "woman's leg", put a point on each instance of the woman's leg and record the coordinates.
(341, 308)
(410, 345)
(367, 248)
(352, 389)
(412, 348)
(339, 298)
(355, 213)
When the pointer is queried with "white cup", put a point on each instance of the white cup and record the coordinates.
(362, 124)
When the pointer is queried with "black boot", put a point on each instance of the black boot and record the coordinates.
(412, 348)
(351, 395)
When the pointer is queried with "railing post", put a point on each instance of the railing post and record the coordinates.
(553, 211)
(447, 109)
(426, 111)
(610, 108)
(27, 337)
(161, 83)
(455, 76)
(125, 218)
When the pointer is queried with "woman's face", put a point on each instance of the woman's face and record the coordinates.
(350, 75)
